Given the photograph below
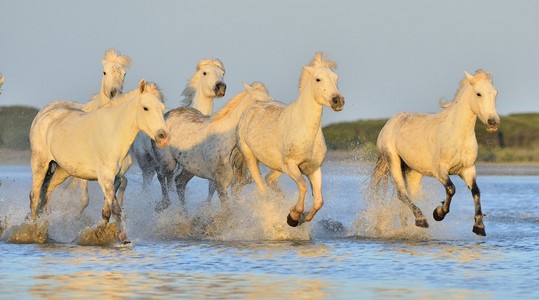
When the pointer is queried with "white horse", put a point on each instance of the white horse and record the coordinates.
(112, 83)
(413, 145)
(203, 87)
(66, 141)
(289, 139)
(203, 146)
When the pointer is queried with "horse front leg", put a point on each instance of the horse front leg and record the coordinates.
(84, 199)
(469, 177)
(440, 211)
(164, 175)
(271, 181)
(211, 190)
(292, 170)
(316, 184)
(120, 184)
(111, 206)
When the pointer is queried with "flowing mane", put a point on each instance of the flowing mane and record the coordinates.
(319, 60)
(234, 102)
(112, 56)
(479, 76)
(189, 92)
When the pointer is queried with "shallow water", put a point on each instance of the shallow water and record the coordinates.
(250, 252)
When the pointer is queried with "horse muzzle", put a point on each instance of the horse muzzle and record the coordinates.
(492, 124)
(162, 139)
(337, 103)
(219, 89)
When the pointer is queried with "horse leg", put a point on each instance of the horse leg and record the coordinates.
(439, 212)
(222, 192)
(271, 181)
(252, 165)
(469, 178)
(396, 172)
(85, 199)
(40, 169)
(181, 181)
(120, 184)
(211, 190)
(413, 184)
(111, 205)
(59, 176)
(292, 170)
(316, 185)
(164, 175)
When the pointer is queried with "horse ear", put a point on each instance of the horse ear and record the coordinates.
(468, 75)
(142, 86)
(246, 86)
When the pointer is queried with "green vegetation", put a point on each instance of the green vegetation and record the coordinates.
(517, 139)
(15, 122)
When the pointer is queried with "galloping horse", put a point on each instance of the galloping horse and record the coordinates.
(413, 145)
(66, 141)
(289, 139)
(205, 85)
(204, 145)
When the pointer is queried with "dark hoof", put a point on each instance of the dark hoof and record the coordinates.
(291, 221)
(479, 231)
(421, 223)
(438, 217)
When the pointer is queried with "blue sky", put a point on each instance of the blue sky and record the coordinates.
(392, 56)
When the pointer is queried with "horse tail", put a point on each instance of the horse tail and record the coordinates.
(239, 167)
(380, 176)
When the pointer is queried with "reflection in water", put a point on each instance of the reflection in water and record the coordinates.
(113, 285)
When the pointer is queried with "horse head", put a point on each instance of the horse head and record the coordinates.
(483, 99)
(257, 91)
(114, 66)
(323, 82)
(209, 78)
(150, 113)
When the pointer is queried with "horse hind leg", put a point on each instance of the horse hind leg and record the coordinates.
(211, 190)
(40, 172)
(271, 181)
(85, 199)
(395, 167)
(56, 178)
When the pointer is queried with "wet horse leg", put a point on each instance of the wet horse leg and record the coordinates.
(211, 190)
(111, 205)
(181, 181)
(440, 211)
(271, 181)
(396, 172)
(56, 178)
(164, 175)
(254, 170)
(292, 170)
(85, 199)
(40, 170)
(316, 185)
(469, 178)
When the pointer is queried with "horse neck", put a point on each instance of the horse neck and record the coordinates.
(306, 113)
(121, 116)
(202, 103)
(462, 118)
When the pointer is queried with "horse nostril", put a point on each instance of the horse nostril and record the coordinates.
(491, 122)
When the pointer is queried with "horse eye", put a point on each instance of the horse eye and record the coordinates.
(104, 73)
(478, 94)
(204, 73)
(318, 79)
(145, 108)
